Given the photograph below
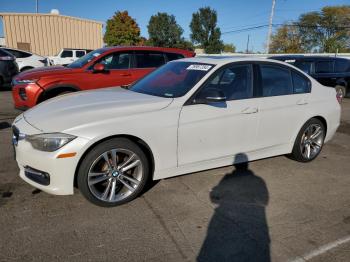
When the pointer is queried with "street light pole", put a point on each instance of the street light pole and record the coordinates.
(270, 27)
(37, 6)
(247, 50)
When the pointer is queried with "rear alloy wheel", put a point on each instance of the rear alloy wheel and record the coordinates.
(309, 141)
(113, 173)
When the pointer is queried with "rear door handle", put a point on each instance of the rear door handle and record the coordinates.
(250, 110)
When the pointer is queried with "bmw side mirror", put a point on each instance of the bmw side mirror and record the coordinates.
(98, 68)
(210, 95)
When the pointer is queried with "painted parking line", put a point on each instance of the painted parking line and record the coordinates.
(321, 250)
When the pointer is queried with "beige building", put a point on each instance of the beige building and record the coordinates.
(47, 34)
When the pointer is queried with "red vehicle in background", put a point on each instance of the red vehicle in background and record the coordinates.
(105, 67)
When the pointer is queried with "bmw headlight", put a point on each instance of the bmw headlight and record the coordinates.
(49, 142)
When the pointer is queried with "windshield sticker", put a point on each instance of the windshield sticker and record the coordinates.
(96, 54)
(199, 67)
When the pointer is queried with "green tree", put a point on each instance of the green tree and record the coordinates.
(286, 40)
(205, 31)
(229, 48)
(327, 30)
(164, 31)
(122, 29)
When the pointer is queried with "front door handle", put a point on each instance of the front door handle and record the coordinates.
(250, 110)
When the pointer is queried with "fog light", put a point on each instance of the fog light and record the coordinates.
(37, 176)
(22, 93)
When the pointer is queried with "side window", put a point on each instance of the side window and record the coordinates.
(149, 59)
(342, 66)
(18, 54)
(300, 84)
(236, 82)
(324, 67)
(275, 81)
(173, 56)
(116, 61)
(79, 53)
(304, 66)
(67, 53)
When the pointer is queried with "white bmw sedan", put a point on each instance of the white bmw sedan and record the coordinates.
(188, 115)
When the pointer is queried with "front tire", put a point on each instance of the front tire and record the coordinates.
(309, 141)
(113, 173)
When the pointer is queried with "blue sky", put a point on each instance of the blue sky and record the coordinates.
(232, 15)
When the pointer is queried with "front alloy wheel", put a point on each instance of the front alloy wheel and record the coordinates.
(113, 173)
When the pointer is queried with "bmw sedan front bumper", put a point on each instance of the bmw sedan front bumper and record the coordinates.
(46, 170)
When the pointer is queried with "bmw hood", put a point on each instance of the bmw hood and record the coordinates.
(81, 108)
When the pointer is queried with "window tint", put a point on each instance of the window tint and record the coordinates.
(4, 53)
(305, 66)
(300, 84)
(275, 80)
(173, 56)
(18, 54)
(79, 53)
(116, 61)
(342, 66)
(149, 59)
(324, 67)
(235, 82)
(172, 80)
(67, 53)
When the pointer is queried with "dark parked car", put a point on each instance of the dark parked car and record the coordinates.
(8, 67)
(329, 71)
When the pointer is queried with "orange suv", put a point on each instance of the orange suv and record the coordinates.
(104, 67)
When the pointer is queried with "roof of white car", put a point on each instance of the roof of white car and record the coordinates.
(221, 60)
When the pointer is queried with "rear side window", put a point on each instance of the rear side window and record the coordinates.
(18, 54)
(275, 81)
(67, 53)
(304, 66)
(300, 84)
(235, 82)
(3, 53)
(149, 59)
(342, 66)
(324, 67)
(79, 53)
(116, 61)
(174, 56)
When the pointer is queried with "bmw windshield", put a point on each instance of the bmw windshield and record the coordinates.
(86, 58)
(174, 79)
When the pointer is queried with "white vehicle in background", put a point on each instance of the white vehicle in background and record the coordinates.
(67, 56)
(186, 116)
(27, 60)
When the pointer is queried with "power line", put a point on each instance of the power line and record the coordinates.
(342, 27)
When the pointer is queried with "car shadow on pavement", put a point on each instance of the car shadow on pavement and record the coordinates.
(238, 230)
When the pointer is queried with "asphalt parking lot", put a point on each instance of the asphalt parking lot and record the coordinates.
(276, 210)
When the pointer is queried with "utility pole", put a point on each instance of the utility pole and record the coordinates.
(247, 50)
(270, 27)
(37, 6)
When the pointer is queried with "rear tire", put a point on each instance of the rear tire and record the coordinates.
(113, 173)
(309, 141)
